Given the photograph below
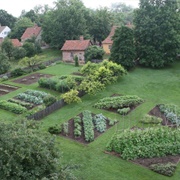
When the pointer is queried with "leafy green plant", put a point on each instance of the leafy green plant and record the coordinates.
(17, 72)
(36, 93)
(49, 100)
(24, 104)
(112, 122)
(65, 128)
(124, 111)
(164, 169)
(76, 61)
(55, 129)
(147, 119)
(100, 122)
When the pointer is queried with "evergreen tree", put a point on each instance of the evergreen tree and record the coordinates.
(157, 32)
(123, 48)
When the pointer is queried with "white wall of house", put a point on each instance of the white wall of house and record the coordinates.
(5, 32)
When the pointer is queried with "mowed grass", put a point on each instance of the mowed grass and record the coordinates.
(154, 86)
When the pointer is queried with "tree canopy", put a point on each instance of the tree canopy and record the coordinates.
(4, 63)
(157, 33)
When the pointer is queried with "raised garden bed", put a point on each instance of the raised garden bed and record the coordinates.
(81, 138)
(5, 89)
(121, 104)
(33, 78)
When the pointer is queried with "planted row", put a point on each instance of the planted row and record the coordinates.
(147, 143)
(22, 103)
(12, 107)
(36, 93)
(121, 103)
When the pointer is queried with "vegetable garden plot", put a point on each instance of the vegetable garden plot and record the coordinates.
(33, 78)
(5, 89)
(122, 104)
(155, 148)
(86, 127)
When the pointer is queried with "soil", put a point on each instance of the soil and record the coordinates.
(33, 78)
(5, 89)
(81, 139)
(156, 112)
(77, 74)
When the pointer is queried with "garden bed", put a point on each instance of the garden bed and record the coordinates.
(81, 138)
(33, 78)
(5, 89)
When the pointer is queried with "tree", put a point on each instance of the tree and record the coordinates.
(19, 53)
(30, 49)
(4, 63)
(30, 62)
(99, 24)
(7, 47)
(123, 49)
(20, 27)
(157, 33)
(6, 19)
(94, 52)
(65, 22)
(26, 153)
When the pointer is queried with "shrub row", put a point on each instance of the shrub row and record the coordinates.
(24, 104)
(147, 119)
(12, 107)
(151, 142)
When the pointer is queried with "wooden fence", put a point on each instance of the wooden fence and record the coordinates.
(50, 109)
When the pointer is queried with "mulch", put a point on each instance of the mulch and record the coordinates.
(33, 78)
(81, 139)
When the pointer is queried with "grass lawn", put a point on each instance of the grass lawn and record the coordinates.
(154, 86)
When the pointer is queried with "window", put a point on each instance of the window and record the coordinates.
(110, 46)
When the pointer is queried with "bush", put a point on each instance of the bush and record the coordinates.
(124, 111)
(76, 61)
(49, 100)
(17, 72)
(42, 66)
(147, 119)
(55, 129)
(100, 122)
(164, 169)
(4, 78)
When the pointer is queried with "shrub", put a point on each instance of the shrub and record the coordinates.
(17, 72)
(4, 78)
(49, 100)
(41, 66)
(55, 129)
(65, 128)
(24, 104)
(71, 96)
(112, 122)
(76, 61)
(147, 119)
(164, 169)
(124, 111)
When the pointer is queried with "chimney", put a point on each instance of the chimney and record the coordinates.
(81, 38)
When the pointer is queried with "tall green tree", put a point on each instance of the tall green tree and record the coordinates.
(65, 22)
(123, 49)
(4, 63)
(7, 47)
(7, 19)
(157, 32)
(20, 27)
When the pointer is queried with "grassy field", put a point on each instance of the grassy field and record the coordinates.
(154, 86)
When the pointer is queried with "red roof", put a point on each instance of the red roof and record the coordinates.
(16, 42)
(108, 40)
(30, 32)
(75, 45)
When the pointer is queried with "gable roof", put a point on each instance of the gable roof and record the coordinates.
(108, 40)
(2, 28)
(75, 45)
(16, 42)
(30, 32)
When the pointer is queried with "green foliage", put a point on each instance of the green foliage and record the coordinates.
(88, 126)
(7, 47)
(94, 52)
(24, 104)
(124, 111)
(71, 96)
(55, 129)
(157, 33)
(49, 100)
(172, 113)
(29, 48)
(49, 83)
(100, 122)
(12, 107)
(123, 48)
(118, 102)
(17, 72)
(89, 68)
(4, 63)
(147, 119)
(19, 53)
(76, 61)
(147, 143)
(112, 122)
(42, 66)
(4, 78)
(26, 153)
(65, 128)
(164, 169)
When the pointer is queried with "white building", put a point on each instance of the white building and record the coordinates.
(4, 31)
